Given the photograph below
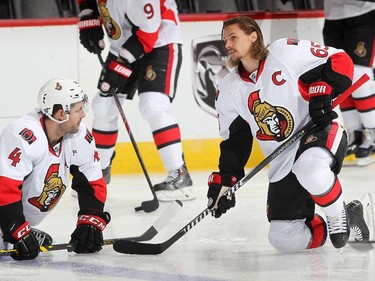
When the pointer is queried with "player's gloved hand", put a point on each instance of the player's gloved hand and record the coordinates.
(19, 234)
(320, 105)
(88, 236)
(90, 29)
(217, 185)
(117, 70)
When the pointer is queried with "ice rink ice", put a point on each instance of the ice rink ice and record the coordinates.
(234, 247)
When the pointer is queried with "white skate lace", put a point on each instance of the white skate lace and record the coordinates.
(337, 224)
(172, 176)
(357, 233)
(368, 138)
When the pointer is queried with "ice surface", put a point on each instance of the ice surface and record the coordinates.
(234, 247)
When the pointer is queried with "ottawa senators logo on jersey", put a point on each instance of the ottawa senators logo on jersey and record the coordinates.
(360, 50)
(112, 28)
(53, 189)
(274, 122)
(150, 74)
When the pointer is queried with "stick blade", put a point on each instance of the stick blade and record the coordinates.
(148, 206)
(134, 248)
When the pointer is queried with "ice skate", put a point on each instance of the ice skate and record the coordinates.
(354, 141)
(107, 171)
(365, 152)
(177, 186)
(338, 229)
(43, 238)
(361, 219)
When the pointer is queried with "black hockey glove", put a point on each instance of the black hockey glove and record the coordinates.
(217, 185)
(88, 236)
(90, 28)
(116, 72)
(19, 234)
(320, 105)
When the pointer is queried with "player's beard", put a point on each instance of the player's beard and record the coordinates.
(73, 129)
(233, 62)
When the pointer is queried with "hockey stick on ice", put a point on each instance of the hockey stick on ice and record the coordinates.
(147, 206)
(132, 247)
(150, 233)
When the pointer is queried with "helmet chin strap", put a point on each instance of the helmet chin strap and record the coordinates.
(59, 121)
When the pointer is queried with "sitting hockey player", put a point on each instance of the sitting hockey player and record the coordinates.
(37, 153)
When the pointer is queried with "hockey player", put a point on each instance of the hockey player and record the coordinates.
(144, 55)
(272, 93)
(37, 152)
(350, 25)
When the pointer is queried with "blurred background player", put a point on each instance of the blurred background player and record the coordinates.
(272, 93)
(144, 55)
(350, 25)
(37, 152)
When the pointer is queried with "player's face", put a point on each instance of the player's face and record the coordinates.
(237, 43)
(77, 113)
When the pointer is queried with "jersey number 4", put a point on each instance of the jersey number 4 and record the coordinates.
(15, 156)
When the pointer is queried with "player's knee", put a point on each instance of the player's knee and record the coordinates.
(311, 169)
(289, 236)
(153, 105)
(105, 106)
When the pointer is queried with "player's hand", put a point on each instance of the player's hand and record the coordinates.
(88, 236)
(117, 71)
(320, 104)
(217, 185)
(19, 234)
(91, 31)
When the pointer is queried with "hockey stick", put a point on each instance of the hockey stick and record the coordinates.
(150, 233)
(147, 206)
(132, 247)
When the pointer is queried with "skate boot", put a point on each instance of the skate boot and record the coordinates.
(338, 229)
(42, 237)
(176, 186)
(107, 171)
(354, 141)
(361, 219)
(367, 148)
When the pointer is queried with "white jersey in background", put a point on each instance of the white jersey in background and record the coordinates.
(153, 25)
(341, 9)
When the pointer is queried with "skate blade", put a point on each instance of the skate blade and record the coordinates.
(183, 194)
(368, 213)
(361, 162)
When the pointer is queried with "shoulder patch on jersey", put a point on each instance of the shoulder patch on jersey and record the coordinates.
(292, 41)
(88, 136)
(28, 135)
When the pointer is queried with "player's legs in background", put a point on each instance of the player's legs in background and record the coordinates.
(157, 87)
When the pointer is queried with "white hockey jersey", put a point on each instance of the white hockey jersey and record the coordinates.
(342, 9)
(271, 100)
(42, 172)
(155, 23)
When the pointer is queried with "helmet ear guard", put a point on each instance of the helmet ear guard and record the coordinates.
(62, 92)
